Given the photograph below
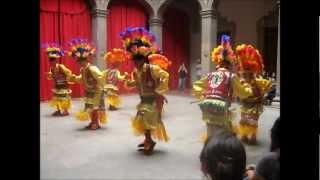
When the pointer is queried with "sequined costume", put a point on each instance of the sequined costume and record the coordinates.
(61, 99)
(250, 65)
(93, 80)
(152, 83)
(113, 76)
(61, 93)
(214, 90)
(151, 80)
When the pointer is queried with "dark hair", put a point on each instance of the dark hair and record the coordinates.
(52, 59)
(275, 135)
(225, 64)
(223, 157)
(140, 57)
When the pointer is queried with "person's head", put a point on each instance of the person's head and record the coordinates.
(248, 75)
(53, 62)
(81, 50)
(223, 157)
(139, 60)
(54, 52)
(140, 43)
(82, 62)
(275, 135)
(225, 64)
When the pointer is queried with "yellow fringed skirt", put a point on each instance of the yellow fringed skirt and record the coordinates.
(247, 130)
(250, 113)
(93, 102)
(148, 118)
(113, 100)
(215, 113)
(84, 115)
(61, 99)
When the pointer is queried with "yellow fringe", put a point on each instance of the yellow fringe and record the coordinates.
(61, 103)
(82, 116)
(113, 100)
(258, 109)
(204, 137)
(103, 117)
(159, 132)
(245, 130)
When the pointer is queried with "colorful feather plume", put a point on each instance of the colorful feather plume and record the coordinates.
(223, 52)
(249, 59)
(81, 48)
(159, 60)
(139, 42)
(53, 50)
(115, 55)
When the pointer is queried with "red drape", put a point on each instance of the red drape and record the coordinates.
(176, 43)
(124, 14)
(75, 21)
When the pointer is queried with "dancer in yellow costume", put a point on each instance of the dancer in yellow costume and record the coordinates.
(214, 90)
(250, 66)
(151, 80)
(93, 81)
(60, 75)
(112, 75)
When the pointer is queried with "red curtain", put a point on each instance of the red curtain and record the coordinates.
(176, 43)
(75, 21)
(123, 14)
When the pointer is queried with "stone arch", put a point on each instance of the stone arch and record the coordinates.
(91, 3)
(267, 31)
(162, 8)
(144, 3)
(215, 4)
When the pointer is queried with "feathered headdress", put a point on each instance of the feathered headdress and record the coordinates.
(249, 59)
(115, 55)
(223, 52)
(53, 50)
(81, 49)
(159, 60)
(139, 42)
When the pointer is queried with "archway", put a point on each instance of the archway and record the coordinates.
(121, 15)
(267, 28)
(181, 37)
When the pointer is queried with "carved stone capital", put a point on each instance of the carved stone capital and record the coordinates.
(99, 13)
(155, 21)
(208, 14)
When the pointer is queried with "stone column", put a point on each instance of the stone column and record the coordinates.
(278, 53)
(155, 25)
(208, 38)
(99, 35)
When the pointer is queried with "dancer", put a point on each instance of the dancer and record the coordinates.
(61, 99)
(114, 58)
(250, 66)
(93, 81)
(151, 80)
(214, 90)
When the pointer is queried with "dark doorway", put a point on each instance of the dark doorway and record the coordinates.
(270, 49)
